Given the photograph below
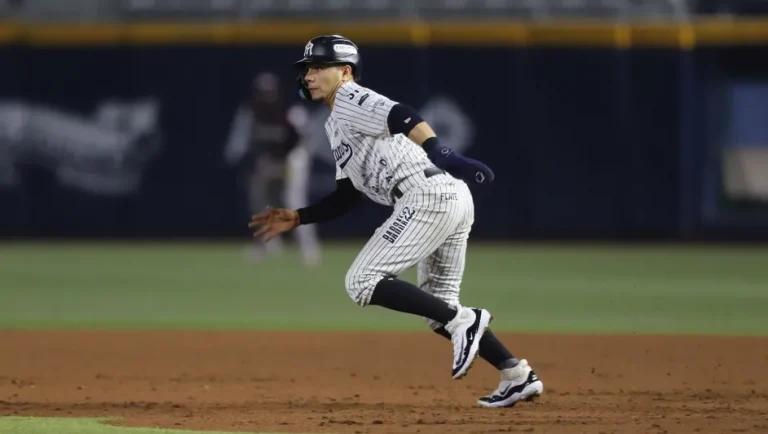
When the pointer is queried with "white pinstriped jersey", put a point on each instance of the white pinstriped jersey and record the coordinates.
(364, 149)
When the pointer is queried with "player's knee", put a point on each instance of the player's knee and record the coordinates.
(360, 286)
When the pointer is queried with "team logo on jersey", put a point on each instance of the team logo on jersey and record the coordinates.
(342, 154)
(398, 226)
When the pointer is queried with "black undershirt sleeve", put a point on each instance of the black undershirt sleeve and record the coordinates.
(339, 202)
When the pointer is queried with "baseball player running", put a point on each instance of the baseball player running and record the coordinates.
(386, 151)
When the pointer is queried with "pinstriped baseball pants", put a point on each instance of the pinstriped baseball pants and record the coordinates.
(429, 227)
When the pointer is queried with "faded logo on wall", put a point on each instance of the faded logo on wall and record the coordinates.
(104, 153)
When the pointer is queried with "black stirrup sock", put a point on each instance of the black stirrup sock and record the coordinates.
(404, 297)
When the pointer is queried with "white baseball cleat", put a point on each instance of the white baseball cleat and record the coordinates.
(466, 329)
(517, 384)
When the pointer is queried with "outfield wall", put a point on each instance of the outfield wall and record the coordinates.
(594, 130)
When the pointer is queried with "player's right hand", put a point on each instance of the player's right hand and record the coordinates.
(471, 170)
(467, 169)
(273, 222)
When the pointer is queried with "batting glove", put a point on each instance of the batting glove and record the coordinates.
(467, 169)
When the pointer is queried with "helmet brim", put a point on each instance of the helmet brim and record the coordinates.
(302, 63)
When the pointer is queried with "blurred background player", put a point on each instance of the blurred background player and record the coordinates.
(297, 184)
(269, 144)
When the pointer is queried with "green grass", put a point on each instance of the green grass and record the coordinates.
(42, 425)
(602, 289)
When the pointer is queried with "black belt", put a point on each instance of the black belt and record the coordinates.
(428, 173)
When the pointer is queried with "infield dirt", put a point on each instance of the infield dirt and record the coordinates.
(383, 382)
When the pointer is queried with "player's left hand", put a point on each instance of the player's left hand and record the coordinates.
(273, 222)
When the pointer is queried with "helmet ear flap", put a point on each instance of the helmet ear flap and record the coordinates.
(303, 89)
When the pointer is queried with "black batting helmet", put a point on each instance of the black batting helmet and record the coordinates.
(327, 50)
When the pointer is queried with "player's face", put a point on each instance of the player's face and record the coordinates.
(323, 80)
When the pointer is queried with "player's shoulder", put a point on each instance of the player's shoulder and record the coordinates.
(354, 95)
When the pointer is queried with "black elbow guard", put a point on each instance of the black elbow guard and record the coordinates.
(402, 118)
